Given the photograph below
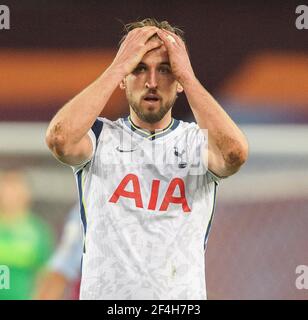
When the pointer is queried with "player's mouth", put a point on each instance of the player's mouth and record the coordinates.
(152, 98)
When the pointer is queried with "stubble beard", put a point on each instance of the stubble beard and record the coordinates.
(151, 117)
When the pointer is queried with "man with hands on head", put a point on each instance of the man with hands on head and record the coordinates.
(146, 223)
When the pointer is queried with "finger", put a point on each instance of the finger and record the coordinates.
(168, 41)
(146, 34)
(152, 44)
(169, 38)
(139, 33)
(177, 39)
(142, 35)
(141, 29)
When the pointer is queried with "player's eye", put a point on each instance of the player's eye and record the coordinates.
(140, 69)
(165, 69)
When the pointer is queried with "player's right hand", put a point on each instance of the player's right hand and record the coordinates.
(134, 47)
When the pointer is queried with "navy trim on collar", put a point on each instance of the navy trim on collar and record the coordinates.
(148, 134)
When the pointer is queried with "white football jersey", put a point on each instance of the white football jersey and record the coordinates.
(147, 201)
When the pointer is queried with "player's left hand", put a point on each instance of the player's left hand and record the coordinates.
(178, 56)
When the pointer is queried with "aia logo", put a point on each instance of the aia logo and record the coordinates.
(4, 17)
(136, 194)
(302, 280)
(302, 20)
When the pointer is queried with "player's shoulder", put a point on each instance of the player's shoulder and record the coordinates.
(188, 125)
(102, 124)
(189, 128)
(104, 121)
(109, 123)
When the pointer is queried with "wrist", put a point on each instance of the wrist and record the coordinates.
(187, 79)
(116, 72)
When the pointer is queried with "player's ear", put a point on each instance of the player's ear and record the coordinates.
(123, 84)
(179, 88)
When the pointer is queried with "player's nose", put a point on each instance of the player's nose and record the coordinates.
(151, 82)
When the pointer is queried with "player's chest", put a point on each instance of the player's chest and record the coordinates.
(166, 155)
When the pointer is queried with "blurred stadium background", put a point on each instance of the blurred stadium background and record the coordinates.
(254, 61)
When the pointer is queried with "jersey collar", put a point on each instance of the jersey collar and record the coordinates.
(151, 135)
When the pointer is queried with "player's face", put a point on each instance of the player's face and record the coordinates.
(151, 89)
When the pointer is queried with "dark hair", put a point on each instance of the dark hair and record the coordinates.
(151, 22)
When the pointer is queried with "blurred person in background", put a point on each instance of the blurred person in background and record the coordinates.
(25, 240)
(61, 277)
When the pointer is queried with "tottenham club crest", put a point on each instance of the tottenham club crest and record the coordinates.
(182, 164)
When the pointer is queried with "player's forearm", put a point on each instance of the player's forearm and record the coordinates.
(224, 135)
(77, 116)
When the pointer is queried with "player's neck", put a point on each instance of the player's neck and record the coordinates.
(160, 125)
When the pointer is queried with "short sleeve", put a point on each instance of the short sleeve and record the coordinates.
(198, 146)
(94, 134)
(196, 142)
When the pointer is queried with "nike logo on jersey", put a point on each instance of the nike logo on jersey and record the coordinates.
(123, 150)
